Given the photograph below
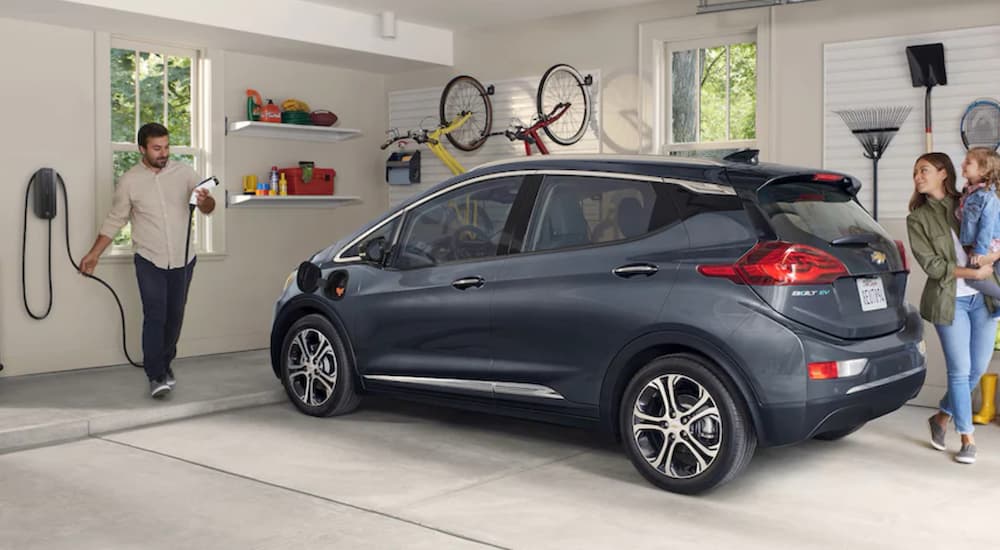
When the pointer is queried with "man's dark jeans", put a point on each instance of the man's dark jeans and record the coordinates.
(163, 293)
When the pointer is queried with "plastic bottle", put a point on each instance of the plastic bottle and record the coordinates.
(270, 112)
(273, 187)
(283, 186)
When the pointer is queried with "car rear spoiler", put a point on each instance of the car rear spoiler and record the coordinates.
(845, 182)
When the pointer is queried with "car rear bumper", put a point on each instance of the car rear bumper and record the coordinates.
(842, 404)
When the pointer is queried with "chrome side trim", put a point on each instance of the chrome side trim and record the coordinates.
(526, 390)
(702, 188)
(693, 186)
(617, 159)
(449, 383)
(481, 386)
(599, 174)
(337, 258)
(456, 185)
(885, 381)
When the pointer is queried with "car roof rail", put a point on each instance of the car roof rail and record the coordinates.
(744, 156)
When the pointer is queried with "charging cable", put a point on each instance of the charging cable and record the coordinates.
(206, 184)
(69, 254)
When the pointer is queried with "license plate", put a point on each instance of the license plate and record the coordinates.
(872, 294)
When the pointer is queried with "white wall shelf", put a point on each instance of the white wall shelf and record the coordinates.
(302, 132)
(294, 201)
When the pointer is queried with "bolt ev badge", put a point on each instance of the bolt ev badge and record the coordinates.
(878, 257)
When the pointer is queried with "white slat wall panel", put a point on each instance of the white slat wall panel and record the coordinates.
(514, 98)
(870, 73)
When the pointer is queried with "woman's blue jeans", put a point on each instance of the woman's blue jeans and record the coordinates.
(968, 347)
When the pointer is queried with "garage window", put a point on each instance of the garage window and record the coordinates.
(712, 97)
(152, 83)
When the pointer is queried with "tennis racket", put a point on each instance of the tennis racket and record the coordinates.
(980, 125)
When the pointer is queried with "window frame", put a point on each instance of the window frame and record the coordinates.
(672, 47)
(654, 36)
(468, 186)
(208, 239)
(655, 183)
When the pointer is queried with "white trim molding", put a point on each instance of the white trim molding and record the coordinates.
(655, 37)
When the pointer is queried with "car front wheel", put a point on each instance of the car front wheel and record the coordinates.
(315, 368)
(681, 426)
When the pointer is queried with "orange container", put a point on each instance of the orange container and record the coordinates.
(322, 182)
(270, 112)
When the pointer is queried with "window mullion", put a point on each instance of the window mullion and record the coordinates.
(702, 54)
(728, 96)
(166, 105)
(138, 60)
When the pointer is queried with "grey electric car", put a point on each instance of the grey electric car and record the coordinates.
(695, 309)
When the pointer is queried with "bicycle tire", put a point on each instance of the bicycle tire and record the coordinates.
(466, 94)
(562, 83)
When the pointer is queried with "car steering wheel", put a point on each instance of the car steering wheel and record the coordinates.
(471, 241)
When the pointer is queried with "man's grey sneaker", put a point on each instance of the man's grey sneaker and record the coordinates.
(967, 455)
(937, 434)
(169, 379)
(158, 388)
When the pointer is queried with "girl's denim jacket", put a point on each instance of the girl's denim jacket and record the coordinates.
(980, 220)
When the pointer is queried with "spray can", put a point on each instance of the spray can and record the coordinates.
(273, 187)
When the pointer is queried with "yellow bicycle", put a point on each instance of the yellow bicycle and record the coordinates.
(466, 119)
(433, 141)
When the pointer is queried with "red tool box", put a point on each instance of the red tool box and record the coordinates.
(320, 184)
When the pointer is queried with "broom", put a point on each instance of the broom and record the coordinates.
(874, 127)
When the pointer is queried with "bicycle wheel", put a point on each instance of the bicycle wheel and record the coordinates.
(564, 84)
(465, 94)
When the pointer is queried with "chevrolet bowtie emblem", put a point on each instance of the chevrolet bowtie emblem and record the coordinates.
(878, 257)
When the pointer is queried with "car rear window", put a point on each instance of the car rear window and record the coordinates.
(802, 210)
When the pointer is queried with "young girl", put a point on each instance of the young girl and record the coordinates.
(979, 211)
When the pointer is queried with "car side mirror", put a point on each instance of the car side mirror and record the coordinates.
(374, 251)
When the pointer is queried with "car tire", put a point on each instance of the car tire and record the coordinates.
(315, 368)
(834, 435)
(698, 429)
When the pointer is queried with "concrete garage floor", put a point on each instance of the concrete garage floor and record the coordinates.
(399, 475)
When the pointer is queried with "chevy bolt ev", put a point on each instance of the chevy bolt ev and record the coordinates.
(695, 309)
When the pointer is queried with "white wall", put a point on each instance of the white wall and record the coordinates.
(50, 121)
(609, 41)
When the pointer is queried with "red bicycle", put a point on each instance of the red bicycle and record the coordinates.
(563, 110)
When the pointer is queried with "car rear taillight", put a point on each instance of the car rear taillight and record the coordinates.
(902, 254)
(780, 263)
(828, 177)
(829, 370)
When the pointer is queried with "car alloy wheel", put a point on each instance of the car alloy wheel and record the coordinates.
(312, 367)
(676, 426)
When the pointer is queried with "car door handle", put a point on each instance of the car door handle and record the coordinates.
(632, 270)
(468, 282)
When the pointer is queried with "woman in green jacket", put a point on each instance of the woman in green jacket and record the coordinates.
(960, 314)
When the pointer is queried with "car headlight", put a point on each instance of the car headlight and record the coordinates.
(922, 348)
(289, 280)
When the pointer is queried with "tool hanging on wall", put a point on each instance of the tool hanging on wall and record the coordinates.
(927, 70)
(874, 127)
(980, 126)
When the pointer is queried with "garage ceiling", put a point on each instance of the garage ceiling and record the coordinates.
(468, 14)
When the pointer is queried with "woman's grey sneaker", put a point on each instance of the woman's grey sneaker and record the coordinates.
(158, 388)
(967, 455)
(937, 434)
(169, 379)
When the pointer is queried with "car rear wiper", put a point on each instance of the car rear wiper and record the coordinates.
(860, 239)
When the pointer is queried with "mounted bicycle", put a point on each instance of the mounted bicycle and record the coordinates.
(563, 110)
(466, 118)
